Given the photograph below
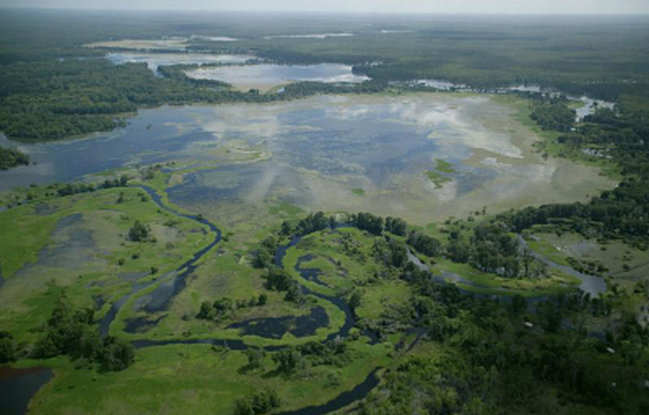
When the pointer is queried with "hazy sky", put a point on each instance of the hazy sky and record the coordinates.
(403, 6)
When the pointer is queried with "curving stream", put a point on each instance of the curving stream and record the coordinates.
(171, 286)
(178, 283)
(590, 284)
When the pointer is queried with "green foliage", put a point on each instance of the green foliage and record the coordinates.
(288, 361)
(72, 332)
(255, 358)
(425, 244)
(391, 252)
(286, 229)
(277, 279)
(263, 299)
(368, 222)
(437, 178)
(263, 257)
(494, 250)
(261, 402)
(396, 226)
(7, 347)
(553, 115)
(294, 294)
(116, 354)
(444, 166)
(75, 188)
(490, 248)
(10, 157)
(330, 353)
(621, 213)
(485, 359)
(312, 223)
(138, 232)
(222, 308)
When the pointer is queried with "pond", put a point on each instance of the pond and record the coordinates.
(265, 76)
(310, 36)
(18, 386)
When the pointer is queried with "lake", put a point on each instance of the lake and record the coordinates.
(314, 152)
(265, 76)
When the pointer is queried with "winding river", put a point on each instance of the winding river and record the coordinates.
(177, 282)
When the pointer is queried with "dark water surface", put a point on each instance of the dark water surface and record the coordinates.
(17, 386)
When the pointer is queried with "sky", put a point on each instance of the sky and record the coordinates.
(359, 6)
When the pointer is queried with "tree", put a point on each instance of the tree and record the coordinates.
(116, 354)
(425, 244)
(73, 332)
(243, 406)
(138, 232)
(262, 300)
(205, 311)
(527, 259)
(11, 157)
(396, 226)
(255, 358)
(7, 348)
(277, 279)
(312, 223)
(288, 361)
(293, 293)
(262, 258)
(223, 305)
(368, 222)
(285, 229)
(258, 403)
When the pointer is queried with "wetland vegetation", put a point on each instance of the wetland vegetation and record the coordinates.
(420, 235)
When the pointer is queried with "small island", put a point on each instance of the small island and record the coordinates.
(10, 157)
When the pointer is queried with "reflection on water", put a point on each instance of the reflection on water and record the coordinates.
(309, 36)
(149, 138)
(155, 60)
(312, 152)
(267, 75)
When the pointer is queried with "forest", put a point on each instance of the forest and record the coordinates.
(621, 213)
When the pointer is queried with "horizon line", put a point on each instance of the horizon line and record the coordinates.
(321, 12)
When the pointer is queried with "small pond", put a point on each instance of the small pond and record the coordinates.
(18, 386)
